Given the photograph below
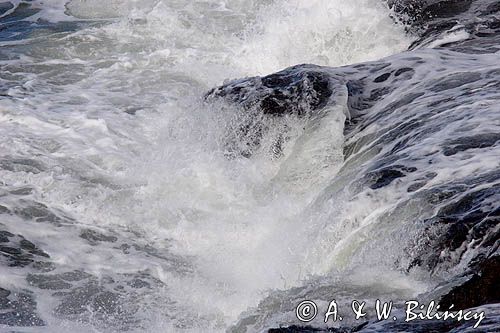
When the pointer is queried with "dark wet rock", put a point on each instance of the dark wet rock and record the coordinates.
(438, 196)
(433, 19)
(17, 260)
(32, 249)
(75, 303)
(4, 293)
(94, 237)
(401, 71)
(416, 186)
(424, 11)
(23, 10)
(138, 283)
(27, 245)
(18, 251)
(4, 236)
(5, 6)
(22, 165)
(385, 176)
(18, 309)
(356, 100)
(57, 281)
(10, 250)
(39, 212)
(471, 142)
(75, 276)
(419, 183)
(454, 81)
(125, 248)
(382, 78)
(50, 282)
(106, 303)
(4, 210)
(313, 87)
(469, 218)
(43, 266)
(378, 93)
(362, 100)
(492, 8)
(22, 191)
(403, 101)
(445, 8)
(298, 90)
(482, 287)
(472, 209)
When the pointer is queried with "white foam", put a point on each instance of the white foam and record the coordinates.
(162, 173)
(456, 34)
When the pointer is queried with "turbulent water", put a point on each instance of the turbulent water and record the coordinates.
(133, 197)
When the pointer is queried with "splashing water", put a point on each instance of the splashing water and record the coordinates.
(104, 121)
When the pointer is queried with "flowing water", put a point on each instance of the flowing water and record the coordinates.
(114, 165)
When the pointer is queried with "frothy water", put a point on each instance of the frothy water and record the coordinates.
(104, 127)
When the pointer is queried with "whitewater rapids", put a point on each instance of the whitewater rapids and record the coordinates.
(129, 186)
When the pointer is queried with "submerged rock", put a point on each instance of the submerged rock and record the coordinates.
(94, 237)
(385, 176)
(18, 251)
(18, 309)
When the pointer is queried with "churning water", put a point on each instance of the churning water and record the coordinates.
(105, 104)
(114, 165)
